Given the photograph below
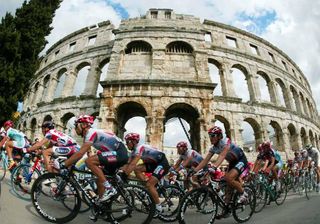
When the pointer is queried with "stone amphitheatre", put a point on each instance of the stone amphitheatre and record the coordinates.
(164, 65)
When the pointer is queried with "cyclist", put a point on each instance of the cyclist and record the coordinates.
(154, 161)
(188, 158)
(112, 154)
(272, 161)
(237, 164)
(13, 139)
(58, 144)
(315, 156)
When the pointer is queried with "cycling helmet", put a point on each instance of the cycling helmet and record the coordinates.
(304, 152)
(260, 148)
(85, 119)
(266, 145)
(132, 136)
(182, 144)
(48, 124)
(8, 123)
(308, 147)
(215, 130)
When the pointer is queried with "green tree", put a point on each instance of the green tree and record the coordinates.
(22, 38)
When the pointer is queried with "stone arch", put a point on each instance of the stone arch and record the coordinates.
(256, 131)
(46, 81)
(293, 137)
(102, 74)
(296, 102)
(82, 72)
(277, 139)
(308, 108)
(24, 126)
(304, 137)
(281, 93)
(311, 138)
(241, 85)
(191, 116)
(138, 46)
(303, 103)
(179, 47)
(216, 76)
(47, 118)
(265, 87)
(65, 118)
(61, 77)
(226, 124)
(33, 128)
(124, 112)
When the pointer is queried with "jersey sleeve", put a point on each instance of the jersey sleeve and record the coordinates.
(91, 136)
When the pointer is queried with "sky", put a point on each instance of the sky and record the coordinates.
(290, 25)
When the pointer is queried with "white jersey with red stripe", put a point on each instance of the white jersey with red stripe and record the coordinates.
(149, 154)
(196, 158)
(57, 138)
(102, 140)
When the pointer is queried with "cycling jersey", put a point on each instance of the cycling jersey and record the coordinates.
(19, 139)
(234, 154)
(112, 152)
(196, 158)
(267, 155)
(277, 156)
(58, 138)
(148, 154)
(63, 145)
(102, 140)
(154, 160)
(315, 156)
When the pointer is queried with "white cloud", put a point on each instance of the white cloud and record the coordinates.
(295, 29)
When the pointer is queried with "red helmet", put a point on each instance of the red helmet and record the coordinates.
(266, 145)
(182, 144)
(215, 130)
(8, 123)
(132, 136)
(85, 119)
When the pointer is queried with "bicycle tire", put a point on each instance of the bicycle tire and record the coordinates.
(283, 193)
(3, 166)
(41, 185)
(250, 203)
(192, 204)
(137, 205)
(21, 186)
(261, 197)
(171, 200)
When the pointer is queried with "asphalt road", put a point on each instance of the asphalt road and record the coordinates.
(295, 210)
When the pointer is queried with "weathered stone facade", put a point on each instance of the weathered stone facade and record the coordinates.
(158, 68)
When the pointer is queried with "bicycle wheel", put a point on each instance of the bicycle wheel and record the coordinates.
(307, 185)
(242, 211)
(170, 200)
(261, 197)
(133, 204)
(22, 180)
(281, 194)
(51, 193)
(198, 204)
(3, 166)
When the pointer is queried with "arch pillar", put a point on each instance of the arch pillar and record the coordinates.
(93, 79)
(69, 83)
(227, 81)
(52, 87)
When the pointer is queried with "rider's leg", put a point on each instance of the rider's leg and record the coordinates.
(47, 153)
(232, 179)
(9, 148)
(93, 164)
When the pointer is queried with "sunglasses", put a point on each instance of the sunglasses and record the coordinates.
(213, 135)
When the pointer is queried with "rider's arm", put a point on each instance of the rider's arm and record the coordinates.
(78, 155)
(3, 141)
(187, 161)
(273, 160)
(177, 165)
(204, 162)
(39, 144)
(222, 156)
(132, 165)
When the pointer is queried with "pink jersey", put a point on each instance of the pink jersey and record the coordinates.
(60, 139)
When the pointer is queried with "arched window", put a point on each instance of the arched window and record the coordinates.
(61, 80)
(179, 47)
(138, 46)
